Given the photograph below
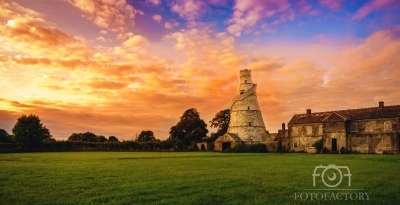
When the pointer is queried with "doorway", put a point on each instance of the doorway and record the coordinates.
(226, 145)
(334, 145)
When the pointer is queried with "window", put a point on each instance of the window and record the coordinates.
(295, 144)
(354, 127)
(368, 127)
(387, 126)
(309, 130)
(241, 91)
(249, 123)
(248, 107)
(245, 81)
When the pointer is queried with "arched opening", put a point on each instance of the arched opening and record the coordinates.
(226, 145)
(203, 147)
(334, 145)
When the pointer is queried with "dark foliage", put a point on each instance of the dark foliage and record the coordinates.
(112, 139)
(190, 128)
(89, 137)
(258, 148)
(221, 122)
(319, 145)
(75, 137)
(145, 136)
(101, 138)
(4, 136)
(29, 129)
(87, 146)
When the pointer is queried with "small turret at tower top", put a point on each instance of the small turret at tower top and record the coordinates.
(245, 80)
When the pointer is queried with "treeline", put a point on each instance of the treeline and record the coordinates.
(29, 135)
(161, 146)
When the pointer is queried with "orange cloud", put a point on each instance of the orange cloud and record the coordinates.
(106, 84)
(112, 15)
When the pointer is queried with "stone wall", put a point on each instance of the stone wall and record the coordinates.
(202, 145)
(374, 136)
(365, 136)
(218, 143)
(335, 131)
(303, 136)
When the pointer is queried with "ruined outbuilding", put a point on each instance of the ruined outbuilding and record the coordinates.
(246, 124)
(365, 130)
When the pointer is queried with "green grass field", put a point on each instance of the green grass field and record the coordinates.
(188, 178)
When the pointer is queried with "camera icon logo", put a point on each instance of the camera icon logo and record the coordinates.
(334, 174)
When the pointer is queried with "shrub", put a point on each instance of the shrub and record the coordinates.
(210, 146)
(236, 149)
(258, 148)
(325, 150)
(319, 144)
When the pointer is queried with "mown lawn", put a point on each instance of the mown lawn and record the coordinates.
(188, 178)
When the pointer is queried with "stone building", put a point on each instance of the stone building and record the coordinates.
(365, 130)
(246, 123)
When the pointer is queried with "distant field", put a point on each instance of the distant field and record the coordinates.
(190, 178)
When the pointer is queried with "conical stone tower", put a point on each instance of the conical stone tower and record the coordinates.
(246, 120)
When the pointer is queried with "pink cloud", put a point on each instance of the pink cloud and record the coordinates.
(371, 7)
(315, 13)
(332, 4)
(157, 18)
(189, 9)
(247, 14)
(154, 2)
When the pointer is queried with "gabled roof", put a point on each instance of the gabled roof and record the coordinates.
(231, 135)
(234, 136)
(334, 117)
(351, 114)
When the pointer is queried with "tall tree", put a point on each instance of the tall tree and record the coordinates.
(4, 136)
(29, 129)
(145, 136)
(89, 137)
(190, 128)
(75, 137)
(101, 138)
(112, 139)
(221, 122)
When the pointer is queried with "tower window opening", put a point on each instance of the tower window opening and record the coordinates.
(249, 123)
(248, 107)
(245, 81)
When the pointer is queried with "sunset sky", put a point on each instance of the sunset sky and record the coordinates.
(117, 67)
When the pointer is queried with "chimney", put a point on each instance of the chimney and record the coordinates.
(308, 111)
(381, 104)
(283, 129)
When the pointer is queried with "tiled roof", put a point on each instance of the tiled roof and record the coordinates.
(351, 114)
